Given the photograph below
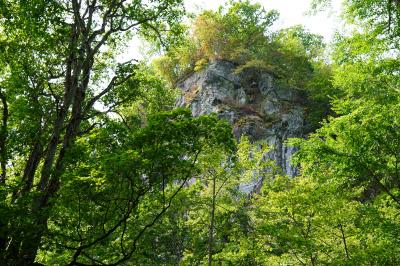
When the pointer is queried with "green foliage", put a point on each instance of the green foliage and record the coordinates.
(342, 210)
(382, 17)
(59, 80)
(240, 33)
(241, 27)
(356, 152)
(131, 181)
(235, 33)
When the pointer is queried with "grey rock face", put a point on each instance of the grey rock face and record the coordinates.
(252, 102)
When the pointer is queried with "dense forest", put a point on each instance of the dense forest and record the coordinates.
(99, 165)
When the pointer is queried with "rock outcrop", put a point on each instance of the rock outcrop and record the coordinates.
(252, 102)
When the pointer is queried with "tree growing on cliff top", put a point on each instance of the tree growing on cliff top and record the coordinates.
(241, 33)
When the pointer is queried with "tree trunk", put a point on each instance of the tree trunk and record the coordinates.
(3, 163)
(346, 251)
(53, 162)
(211, 232)
(3, 138)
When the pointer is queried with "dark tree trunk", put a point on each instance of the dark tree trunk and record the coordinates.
(3, 164)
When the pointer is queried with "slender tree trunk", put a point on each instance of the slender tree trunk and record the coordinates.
(3, 139)
(31, 166)
(313, 260)
(3, 163)
(346, 251)
(211, 232)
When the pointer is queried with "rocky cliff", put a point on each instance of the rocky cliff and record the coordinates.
(252, 101)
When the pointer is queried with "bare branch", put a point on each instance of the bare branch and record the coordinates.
(113, 83)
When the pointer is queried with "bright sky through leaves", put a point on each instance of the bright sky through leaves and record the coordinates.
(292, 12)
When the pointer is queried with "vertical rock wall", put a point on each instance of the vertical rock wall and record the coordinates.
(252, 102)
